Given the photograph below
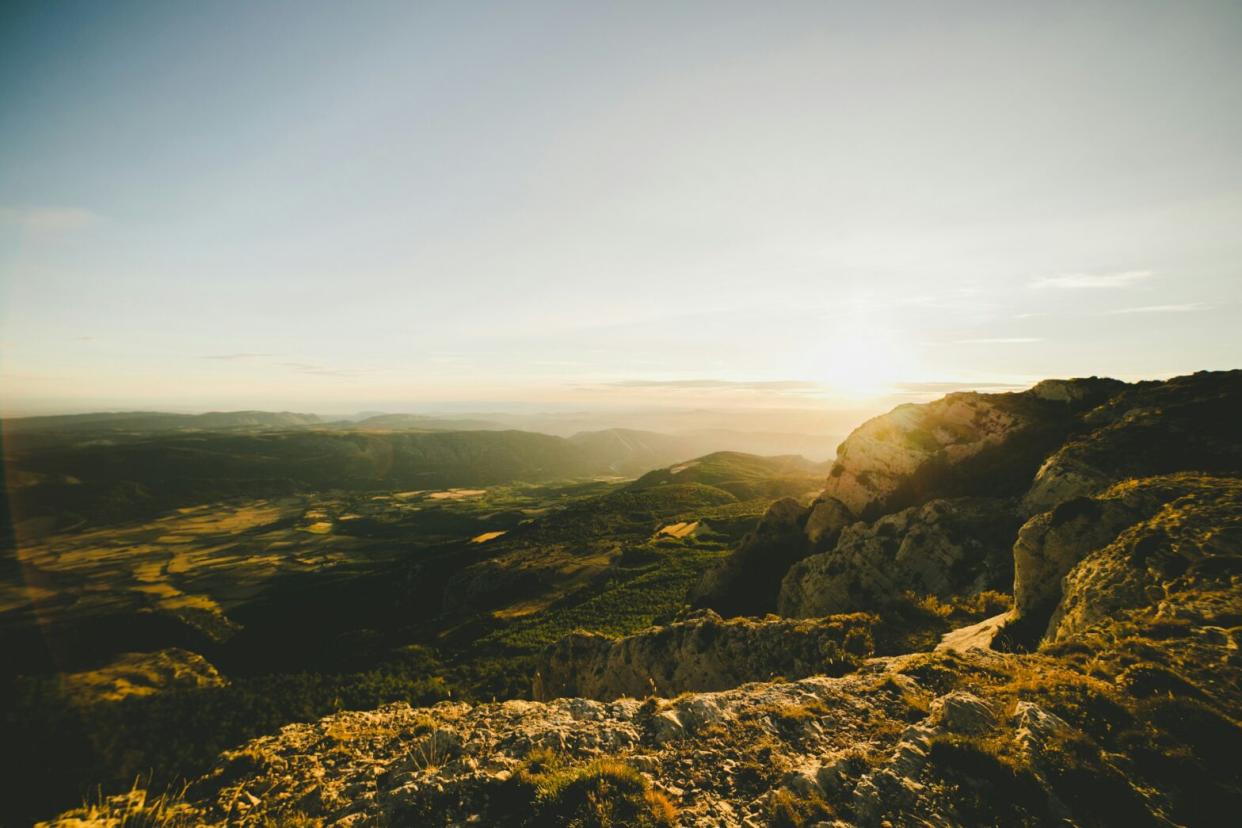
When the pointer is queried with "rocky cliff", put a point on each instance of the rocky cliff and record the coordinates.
(943, 548)
(928, 497)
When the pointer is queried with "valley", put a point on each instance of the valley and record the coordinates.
(288, 605)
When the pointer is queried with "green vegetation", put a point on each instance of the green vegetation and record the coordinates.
(789, 810)
(1150, 720)
(107, 475)
(55, 746)
(354, 595)
(632, 598)
(547, 789)
(604, 793)
(913, 623)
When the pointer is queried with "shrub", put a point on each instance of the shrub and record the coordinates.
(789, 810)
(990, 787)
(604, 793)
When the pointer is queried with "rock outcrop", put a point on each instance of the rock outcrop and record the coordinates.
(1183, 563)
(699, 653)
(942, 548)
(1037, 452)
(1187, 423)
(964, 443)
(943, 739)
(1150, 542)
(1117, 698)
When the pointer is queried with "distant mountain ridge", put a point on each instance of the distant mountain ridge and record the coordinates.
(159, 421)
(103, 469)
(707, 432)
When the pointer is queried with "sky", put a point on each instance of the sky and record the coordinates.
(423, 206)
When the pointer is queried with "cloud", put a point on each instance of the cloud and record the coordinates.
(239, 356)
(763, 385)
(319, 370)
(301, 367)
(1080, 281)
(1000, 340)
(1184, 308)
(48, 220)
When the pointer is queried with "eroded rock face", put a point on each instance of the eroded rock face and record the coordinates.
(964, 443)
(1089, 558)
(703, 652)
(1059, 441)
(1151, 428)
(942, 548)
(1184, 560)
(1049, 545)
(826, 520)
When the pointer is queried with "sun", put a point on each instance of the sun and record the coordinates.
(859, 362)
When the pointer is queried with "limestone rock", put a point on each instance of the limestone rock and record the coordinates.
(1150, 428)
(702, 652)
(1049, 545)
(825, 522)
(943, 548)
(1036, 727)
(962, 712)
(975, 636)
(1141, 543)
(1184, 557)
(963, 443)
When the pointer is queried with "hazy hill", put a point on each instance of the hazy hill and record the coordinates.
(742, 475)
(53, 473)
(148, 421)
(397, 422)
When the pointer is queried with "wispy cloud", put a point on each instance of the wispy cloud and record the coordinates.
(48, 219)
(999, 340)
(1183, 308)
(1081, 281)
(319, 370)
(753, 385)
(238, 356)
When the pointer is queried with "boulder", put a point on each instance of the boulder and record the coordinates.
(825, 522)
(962, 712)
